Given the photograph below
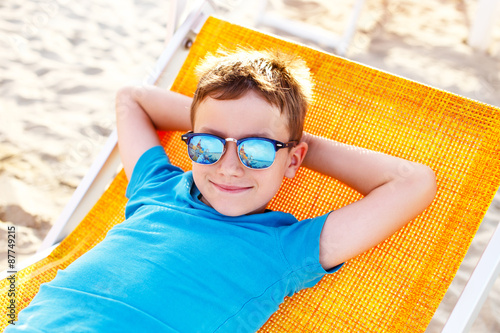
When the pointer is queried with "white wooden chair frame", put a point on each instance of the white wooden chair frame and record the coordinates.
(338, 43)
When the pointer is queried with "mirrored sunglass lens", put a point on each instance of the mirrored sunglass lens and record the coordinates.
(205, 149)
(256, 154)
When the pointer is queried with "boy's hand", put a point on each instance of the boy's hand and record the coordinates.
(140, 112)
(395, 191)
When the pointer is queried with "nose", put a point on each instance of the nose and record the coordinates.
(230, 164)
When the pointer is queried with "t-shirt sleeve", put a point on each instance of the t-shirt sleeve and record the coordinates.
(151, 170)
(300, 245)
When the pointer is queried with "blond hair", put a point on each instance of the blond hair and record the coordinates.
(282, 80)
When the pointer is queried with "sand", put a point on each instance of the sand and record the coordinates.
(61, 62)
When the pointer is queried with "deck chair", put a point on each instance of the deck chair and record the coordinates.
(396, 286)
(337, 43)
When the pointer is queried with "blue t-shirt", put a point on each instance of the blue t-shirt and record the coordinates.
(177, 265)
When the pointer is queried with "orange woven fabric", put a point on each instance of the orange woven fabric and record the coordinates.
(397, 286)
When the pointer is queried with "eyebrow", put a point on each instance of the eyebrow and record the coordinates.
(208, 130)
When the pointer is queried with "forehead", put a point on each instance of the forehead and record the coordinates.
(249, 115)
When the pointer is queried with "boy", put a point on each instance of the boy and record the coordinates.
(198, 251)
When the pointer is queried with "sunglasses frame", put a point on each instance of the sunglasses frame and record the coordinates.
(277, 146)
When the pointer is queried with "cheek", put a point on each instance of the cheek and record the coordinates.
(271, 180)
(198, 174)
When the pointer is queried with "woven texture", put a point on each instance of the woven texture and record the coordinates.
(397, 286)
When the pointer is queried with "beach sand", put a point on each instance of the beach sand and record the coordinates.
(62, 61)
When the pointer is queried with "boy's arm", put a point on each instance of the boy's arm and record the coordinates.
(142, 110)
(395, 191)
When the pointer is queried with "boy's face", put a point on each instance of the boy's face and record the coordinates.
(228, 186)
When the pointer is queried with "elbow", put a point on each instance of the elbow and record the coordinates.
(124, 92)
(425, 180)
(129, 103)
(123, 100)
(430, 179)
(127, 99)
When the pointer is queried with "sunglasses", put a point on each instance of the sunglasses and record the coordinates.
(254, 152)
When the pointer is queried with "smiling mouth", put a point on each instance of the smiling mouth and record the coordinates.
(230, 188)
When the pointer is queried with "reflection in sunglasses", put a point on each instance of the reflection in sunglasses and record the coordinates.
(244, 157)
(201, 152)
(258, 154)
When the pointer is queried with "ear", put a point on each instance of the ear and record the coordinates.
(295, 158)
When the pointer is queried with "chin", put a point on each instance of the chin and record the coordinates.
(235, 209)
